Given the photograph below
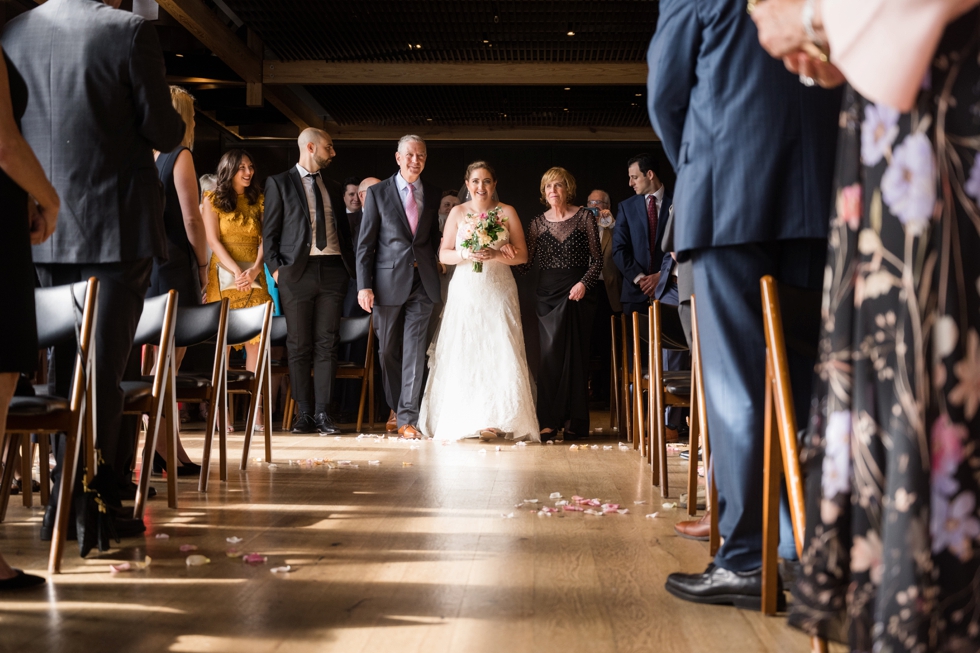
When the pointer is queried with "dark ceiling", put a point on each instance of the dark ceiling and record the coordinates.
(426, 32)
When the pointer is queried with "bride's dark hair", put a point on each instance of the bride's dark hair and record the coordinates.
(480, 165)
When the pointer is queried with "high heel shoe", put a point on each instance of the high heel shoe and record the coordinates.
(184, 469)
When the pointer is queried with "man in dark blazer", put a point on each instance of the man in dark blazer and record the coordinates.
(308, 248)
(398, 277)
(98, 106)
(754, 154)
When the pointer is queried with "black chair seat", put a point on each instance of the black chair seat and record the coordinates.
(238, 376)
(136, 390)
(678, 383)
(189, 382)
(42, 405)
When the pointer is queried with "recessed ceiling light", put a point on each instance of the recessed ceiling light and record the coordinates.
(639, 95)
(180, 55)
(566, 109)
(567, 88)
(485, 41)
(429, 119)
(418, 46)
(571, 33)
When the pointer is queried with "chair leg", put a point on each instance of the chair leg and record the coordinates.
(613, 378)
(223, 433)
(27, 471)
(360, 403)
(371, 396)
(13, 442)
(60, 532)
(214, 420)
(249, 426)
(171, 420)
(43, 457)
(143, 481)
(771, 476)
(655, 410)
(266, 400)
(287, 406)
(692, 459)
(662, 445)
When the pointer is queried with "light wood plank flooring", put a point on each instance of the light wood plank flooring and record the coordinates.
(413, 554)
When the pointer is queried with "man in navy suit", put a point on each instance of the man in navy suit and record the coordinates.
(637, 251)
(754, 154)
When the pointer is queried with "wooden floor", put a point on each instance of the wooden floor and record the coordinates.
(417, 553)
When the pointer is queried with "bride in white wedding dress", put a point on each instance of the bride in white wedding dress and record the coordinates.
(479, 385)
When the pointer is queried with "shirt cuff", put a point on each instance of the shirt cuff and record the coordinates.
(637, 279)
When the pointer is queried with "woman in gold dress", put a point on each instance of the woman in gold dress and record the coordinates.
(233, 221)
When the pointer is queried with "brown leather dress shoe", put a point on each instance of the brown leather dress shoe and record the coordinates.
(409, 432)
(696, 529)
(392, 424)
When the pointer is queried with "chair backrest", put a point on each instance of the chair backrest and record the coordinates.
(58, 311)
(151, 320)
(354, 328)
(644, 331)
(671, 329)
(278, 332)
(800, 312)
(197, 324)
(245, 324)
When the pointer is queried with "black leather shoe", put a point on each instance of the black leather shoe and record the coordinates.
(304, 424)
(325, 425)
(128, 492)
(718, 586)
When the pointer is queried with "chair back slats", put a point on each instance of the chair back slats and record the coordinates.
(165, 328)
(354, 328)
(58, 311)
(643, 321)
(197, 324)
(151, 320)
(245, 324)
(278, 332)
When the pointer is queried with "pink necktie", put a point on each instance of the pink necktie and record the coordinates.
(412, 209)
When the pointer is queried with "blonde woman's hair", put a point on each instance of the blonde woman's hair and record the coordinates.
(184, 104)
(558, 174)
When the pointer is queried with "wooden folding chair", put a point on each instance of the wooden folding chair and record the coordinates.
(156, 397)
(278, 332)
(617, 374)
(351, 330)
(699, 424)
(667, 388)
(245, 324)
(196, 325)
(781, 448)
(625, 381)
(641, 384)
(64, 314)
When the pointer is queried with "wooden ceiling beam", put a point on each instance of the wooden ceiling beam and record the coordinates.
(503, 73)
(205, 25)
(394, 132)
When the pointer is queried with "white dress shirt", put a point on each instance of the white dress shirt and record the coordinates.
(403, 194)
(333, 244)
(659, 195)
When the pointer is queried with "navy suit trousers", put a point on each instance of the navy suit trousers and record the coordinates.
(726, 284)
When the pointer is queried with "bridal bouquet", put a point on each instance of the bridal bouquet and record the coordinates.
(482, 231)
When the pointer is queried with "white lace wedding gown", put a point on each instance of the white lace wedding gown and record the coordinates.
(478, 376)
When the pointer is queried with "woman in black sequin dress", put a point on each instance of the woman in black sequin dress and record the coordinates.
(564, 241)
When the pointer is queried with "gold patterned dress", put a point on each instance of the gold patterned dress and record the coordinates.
(241, 234)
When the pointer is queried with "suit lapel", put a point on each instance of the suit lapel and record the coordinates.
(395, 201)
(297, 184)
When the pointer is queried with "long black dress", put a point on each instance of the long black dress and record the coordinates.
(566, 252)
(18, 333)
(179, 271)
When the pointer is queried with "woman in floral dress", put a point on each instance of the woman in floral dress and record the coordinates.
(893, 468)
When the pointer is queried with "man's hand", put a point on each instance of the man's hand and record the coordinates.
(42, 220)
(365, 298)
(648, 284)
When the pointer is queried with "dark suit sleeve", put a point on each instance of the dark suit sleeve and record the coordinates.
(367, 240)
(672, 61)
(623, 249)
(158, 122)
(272, 224)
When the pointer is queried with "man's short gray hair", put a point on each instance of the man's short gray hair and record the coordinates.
(406, 139)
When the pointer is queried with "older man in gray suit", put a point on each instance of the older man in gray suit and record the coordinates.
(397, 277)
(99, 105)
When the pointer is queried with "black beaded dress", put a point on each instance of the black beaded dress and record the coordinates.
(18, 333)
(567, 252)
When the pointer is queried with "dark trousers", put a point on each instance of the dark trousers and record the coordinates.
(122, 287)
(726, 284)
(313, 305)
(402, 341)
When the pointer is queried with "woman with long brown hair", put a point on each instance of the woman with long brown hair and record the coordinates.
(233, 221)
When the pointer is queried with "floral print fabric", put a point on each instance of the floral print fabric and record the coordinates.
(890, 559)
